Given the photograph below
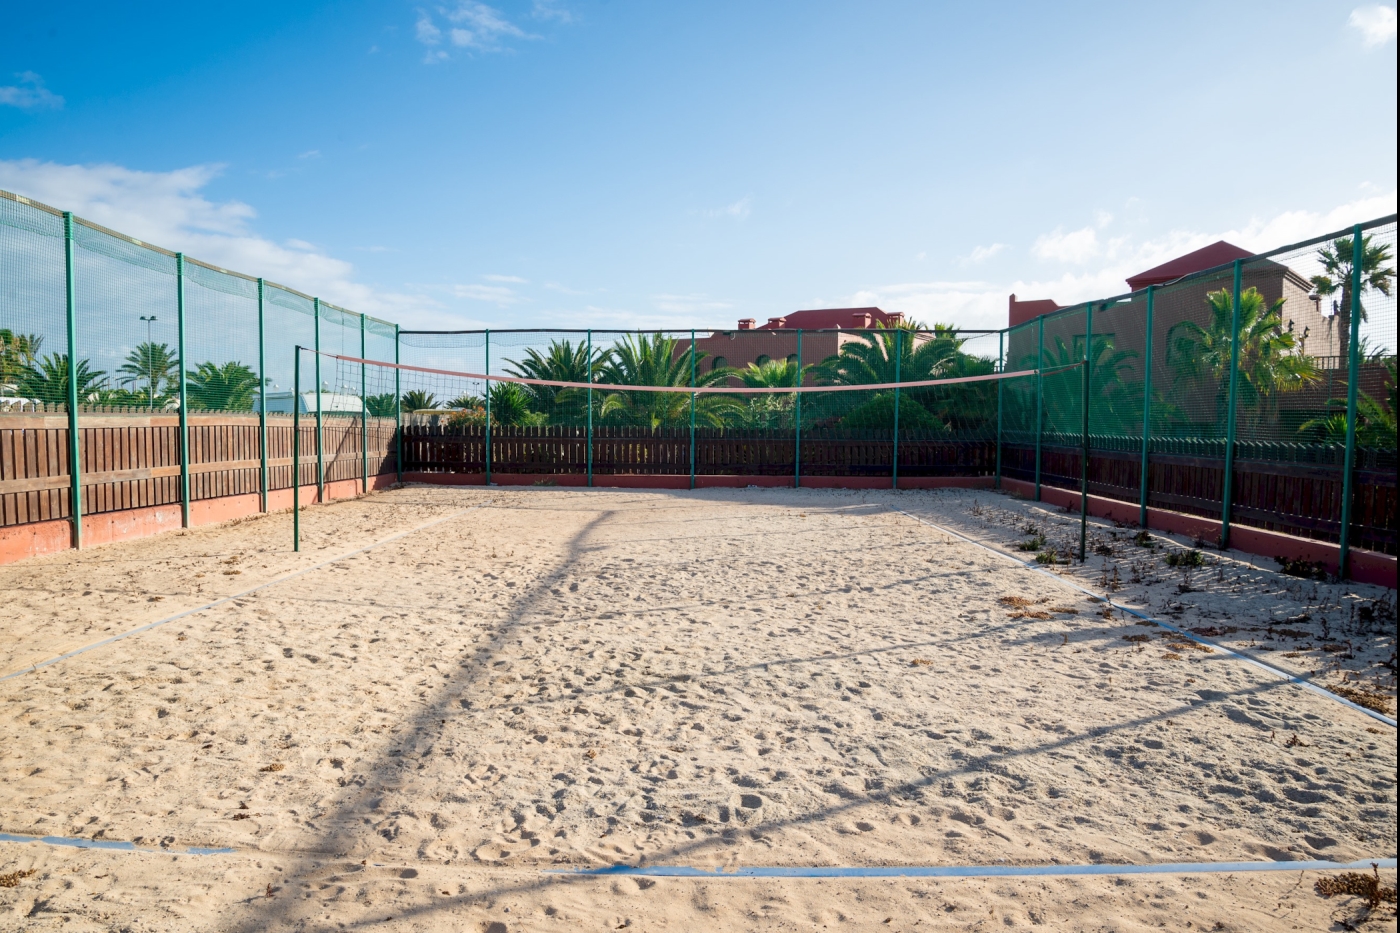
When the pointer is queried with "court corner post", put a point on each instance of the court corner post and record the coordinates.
(898, 356)
(262, 395)
(1039, 397)
(1358, 256)
(75, 470)
(1146, 411)
(488, 406)
(184, 400)
(1001, 367)
(797, 419)
(1088, 366)
(296, 449)
(588, 453)
(1228, 480)
(692, 409)
(398, 413)
(320, 426)
(364, 416)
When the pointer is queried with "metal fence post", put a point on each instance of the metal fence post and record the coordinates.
(296, 449)
(75, 467)
(1146, 412)
(1039, 398)
(364, 416)
(589, 453)
(398, 412)
(320, 428)
(488, 406)
(1358, 257)
(1084, 430)
(1001, 366)
(184, 401)
(692, 409)
(898, 357)
(262, 392)
(1228, 491)
(797, 420)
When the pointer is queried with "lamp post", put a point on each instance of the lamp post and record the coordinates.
(151, 365)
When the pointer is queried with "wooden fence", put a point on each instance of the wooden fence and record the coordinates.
(130, 461)
(133, 461)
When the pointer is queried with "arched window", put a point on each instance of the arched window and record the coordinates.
(762, 358)
(719, 363)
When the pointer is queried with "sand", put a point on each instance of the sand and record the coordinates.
(555, 679)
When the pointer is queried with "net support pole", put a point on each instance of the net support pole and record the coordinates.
(1146, 411)
(70, 310)
(797, 420)
(296, 450)
(1228, 481)
(398, 413)
(364, 417)
(1039, 397)
(262, 393)
(589, 441)
(320, 425)
(1001, 366)
(1084, 430)
(488, 407)
(1358, 257)
(898, 356)
(692, 409)
(184, 400)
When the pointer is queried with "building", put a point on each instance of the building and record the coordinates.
(824, 330)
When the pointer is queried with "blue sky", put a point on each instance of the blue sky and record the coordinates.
(604, 163)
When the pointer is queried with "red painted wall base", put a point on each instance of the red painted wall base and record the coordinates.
(702, 481)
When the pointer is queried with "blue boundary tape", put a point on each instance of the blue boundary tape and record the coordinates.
(239, 595)
(113, 845)
(968, 871)
(1233, 652)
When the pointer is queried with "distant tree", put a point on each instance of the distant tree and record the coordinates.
(658, 360)
(230, 387)
(47, 379)
(18, 352)
(564, 361)
(885, 355)
(152, 368)
(466, 401)
(419, 400)
(510, 406)
(1375, 421)
(769, 410)
(380, 406)
(1337, 267)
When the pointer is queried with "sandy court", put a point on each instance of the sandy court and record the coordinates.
(557, 679)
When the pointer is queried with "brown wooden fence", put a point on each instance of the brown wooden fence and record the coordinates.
(133, 461)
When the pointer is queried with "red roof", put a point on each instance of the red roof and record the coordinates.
(1216, 254)
(826, 318)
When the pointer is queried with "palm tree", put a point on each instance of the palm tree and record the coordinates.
(466, 401)
(564, 361)
(1115, 399)
(380, 406)
(47, 379)
(1336, 258)
(156, 365)
(419, 400)
(1268, 363)
(895, 354)
(510, 406)
(17, 353)
(1375, 422)
(229, 387)
(770, 410)
(654, 360)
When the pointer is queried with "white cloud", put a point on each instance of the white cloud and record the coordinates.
(29, 94)
(551, 9)
(506, 278)
(983, 304)
(739, 210)
(470, 24)
(496, 294)
(979, 254)
(1076, 246)
(310, 154)
(168, 210)
(689, 307)
(1376, 23)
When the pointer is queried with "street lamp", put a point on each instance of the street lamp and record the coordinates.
(150, 364)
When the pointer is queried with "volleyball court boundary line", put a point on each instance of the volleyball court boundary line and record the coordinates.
(35, 668)
(698, 390)
(1107, 600)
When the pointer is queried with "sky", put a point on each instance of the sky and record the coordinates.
(604, 163)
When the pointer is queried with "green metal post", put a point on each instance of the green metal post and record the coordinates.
(590, 407)
(1358, 257)
(1084, 431)
(1001, 365)
(296, 450)
(1146, 411)
(898, 357)
(692, 409)
(75, 468)
(1227, 493)
(797, 420)
(488, 407)
(184, 402)
(1039, 398)
(320, 427)
(398, 412)
(364, 416)
(262, 392)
